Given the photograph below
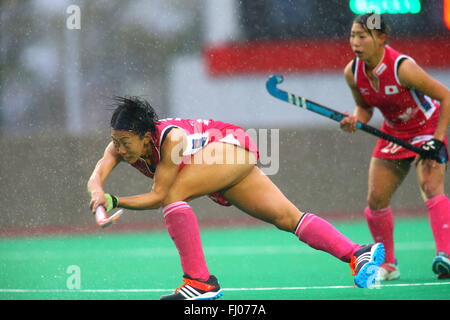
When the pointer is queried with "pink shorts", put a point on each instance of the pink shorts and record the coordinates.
(388, 150)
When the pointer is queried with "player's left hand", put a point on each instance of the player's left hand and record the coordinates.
(97, 199)
(435, 150)
(348, 124)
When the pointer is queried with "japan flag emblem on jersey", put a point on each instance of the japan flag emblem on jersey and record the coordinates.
(389, 90)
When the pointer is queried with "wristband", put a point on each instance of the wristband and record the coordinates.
(112, 201)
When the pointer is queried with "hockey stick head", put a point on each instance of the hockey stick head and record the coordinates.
(102, 218)
(271, 86)
(273, 81)
(276, 78)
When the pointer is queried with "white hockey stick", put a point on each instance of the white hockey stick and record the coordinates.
(102, 219)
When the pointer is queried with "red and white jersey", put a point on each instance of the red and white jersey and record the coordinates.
(405, 111)
(199, 133)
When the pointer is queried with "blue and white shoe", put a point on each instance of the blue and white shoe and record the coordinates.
(441, 265)
(365, 264)
(196, 290)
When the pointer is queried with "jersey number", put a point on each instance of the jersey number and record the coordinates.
(391, 148)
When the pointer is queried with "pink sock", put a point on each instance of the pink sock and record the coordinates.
(439, 214)
(381, 226)
(183, 228)
(321, 235)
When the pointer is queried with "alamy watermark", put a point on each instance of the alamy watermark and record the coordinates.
(266, 141)
(73, 281)
(73, 20)
(374, 22)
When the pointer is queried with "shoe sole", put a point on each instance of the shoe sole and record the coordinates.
(367, 276)
(441, 267)
(209, 296)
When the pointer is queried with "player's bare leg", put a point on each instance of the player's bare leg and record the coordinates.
(245, 186)
(430, 175)
(215, 167)
(259, 197)
(385, 176)
(269, 204)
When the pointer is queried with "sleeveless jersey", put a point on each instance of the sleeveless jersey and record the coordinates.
(403, 109)
(199, 133)
(408, 114)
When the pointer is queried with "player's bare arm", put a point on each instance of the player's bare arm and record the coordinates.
(102, 170)
(165, 175)
(363, 112)
(413, 76)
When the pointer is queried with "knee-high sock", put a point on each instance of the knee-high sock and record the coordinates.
(321, 235)
(183, 228)
(439, 214)
(381, 226)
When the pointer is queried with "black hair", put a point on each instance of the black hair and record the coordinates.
(373, 21)
(133, 114)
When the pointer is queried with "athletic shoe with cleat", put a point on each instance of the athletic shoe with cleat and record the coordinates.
(388, 271)
(365, 264)
(441, 265)
(196, 290)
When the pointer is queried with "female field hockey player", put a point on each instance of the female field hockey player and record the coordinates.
(193, 158)
(415, 108)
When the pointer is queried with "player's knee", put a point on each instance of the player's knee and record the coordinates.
(377, 201)
(175, 196)
(431, 188)
(285, 222)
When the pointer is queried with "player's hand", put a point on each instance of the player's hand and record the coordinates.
(348, 124)
(97, 199)
(435, 150)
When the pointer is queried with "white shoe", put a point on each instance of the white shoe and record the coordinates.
(388, 271)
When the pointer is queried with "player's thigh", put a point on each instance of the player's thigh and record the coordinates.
(259, 197)
(385, 176)
(214, 168)
(431, 178)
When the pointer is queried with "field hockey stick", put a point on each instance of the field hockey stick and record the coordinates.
(102, 219)
(301, 102)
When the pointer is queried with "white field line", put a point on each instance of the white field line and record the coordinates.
(149, 252)
(225, 289)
